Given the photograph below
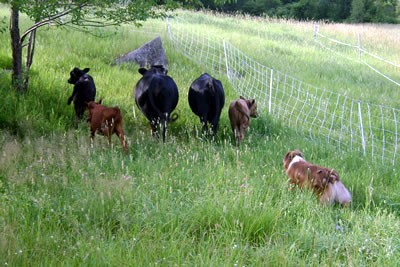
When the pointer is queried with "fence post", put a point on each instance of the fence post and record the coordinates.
(226, 60)
(396, 138)
(361, 128)
(169, 27)
(266, 92)
(359, 46)
(315, 31)
(270, 91)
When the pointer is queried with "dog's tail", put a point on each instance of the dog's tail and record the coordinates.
(342, 194)
(336, 192)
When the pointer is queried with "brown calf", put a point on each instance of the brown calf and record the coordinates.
(240, 112)
(106, 121)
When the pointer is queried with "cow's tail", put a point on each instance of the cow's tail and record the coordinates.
(242, 110)
(167, 119)
(118, 115)
(164, 126)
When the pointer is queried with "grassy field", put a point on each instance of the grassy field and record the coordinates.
(190, 201)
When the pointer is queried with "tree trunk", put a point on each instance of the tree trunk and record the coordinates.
(16, 46)
(30, 51)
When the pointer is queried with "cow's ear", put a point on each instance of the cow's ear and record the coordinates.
(86, 70)
(241, 97)
(162, 69)
(142, 71)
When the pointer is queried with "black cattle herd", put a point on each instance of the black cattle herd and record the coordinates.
(156, 95)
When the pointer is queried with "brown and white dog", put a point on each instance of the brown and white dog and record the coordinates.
(324, 182)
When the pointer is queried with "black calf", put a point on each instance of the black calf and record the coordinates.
(84, 90)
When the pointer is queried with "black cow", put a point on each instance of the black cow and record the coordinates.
(206, 99)
(84, 90)
(156, 95)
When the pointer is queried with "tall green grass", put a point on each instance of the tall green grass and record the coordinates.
(191, 201)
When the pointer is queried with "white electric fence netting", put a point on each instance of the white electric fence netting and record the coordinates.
(348, 123)
(336, 47)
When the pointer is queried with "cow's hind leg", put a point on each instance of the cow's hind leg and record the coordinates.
(120, 132)
(214, 126)
(204, 128)
(109, 136)
(242, 133)
(153, 125)
(92, 134)
(236, 134)
(79, 110)
(107, 129)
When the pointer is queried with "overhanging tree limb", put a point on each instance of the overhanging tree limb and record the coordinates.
(48, 20)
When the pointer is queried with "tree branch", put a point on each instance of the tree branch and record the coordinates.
(48, 21)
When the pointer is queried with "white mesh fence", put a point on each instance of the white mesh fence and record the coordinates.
(339, 48)
(349, 124)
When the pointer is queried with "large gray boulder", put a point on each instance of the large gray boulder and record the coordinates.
(151, 53)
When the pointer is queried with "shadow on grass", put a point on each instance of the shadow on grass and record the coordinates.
(39, 111)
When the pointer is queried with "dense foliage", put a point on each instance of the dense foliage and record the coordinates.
(339, 11)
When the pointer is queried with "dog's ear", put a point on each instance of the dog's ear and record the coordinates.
(297, 152)
(287, 156)
(333, 177)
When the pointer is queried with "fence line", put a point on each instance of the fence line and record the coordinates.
(358, 48)
(319, 113)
